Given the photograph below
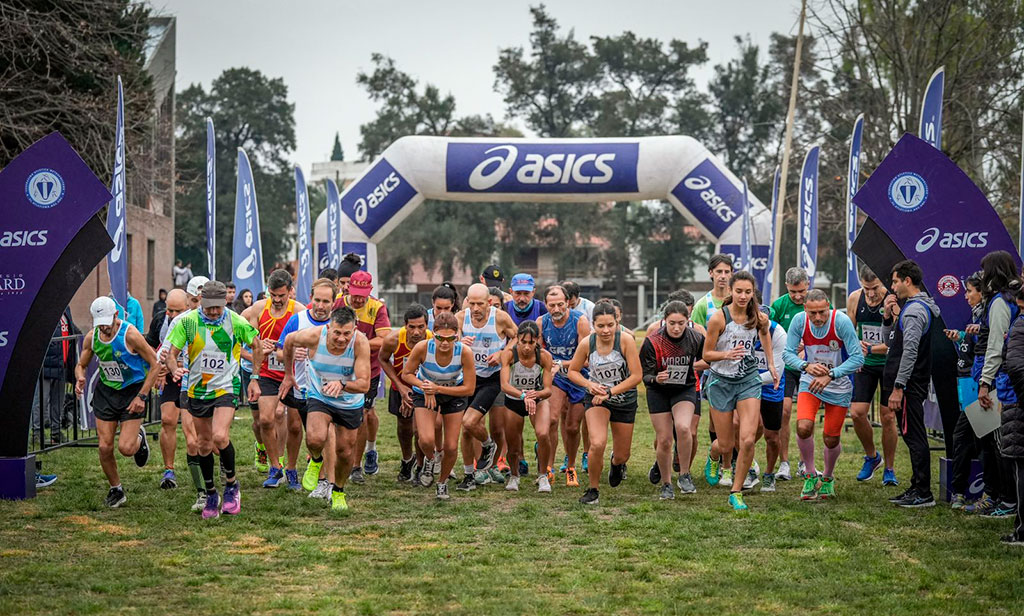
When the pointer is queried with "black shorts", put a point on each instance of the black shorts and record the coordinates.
(348, 419)
(109, 404)
(662, 399)
(487, 390)
(183, 399)
(371, 394)
(395, 405)
(446, 405)
(171, 392)
(269, 387)
(620, 413)
(771, 414)
(204, 408)
(299, 404)
(246, 376)
(866, 381)
(792, 383)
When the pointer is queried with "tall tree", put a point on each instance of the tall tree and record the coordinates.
(336, 152)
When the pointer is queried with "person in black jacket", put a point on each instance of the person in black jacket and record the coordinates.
(54, 386)
(1011, 432)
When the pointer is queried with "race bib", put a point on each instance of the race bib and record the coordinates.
(213, 362)
(676, 374)
(523, 382)
(762, 361)
(606, 375)
(872, 334)
(274, 364)
(480, 357)
(112, 371)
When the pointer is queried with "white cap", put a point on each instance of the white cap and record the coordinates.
(195, 286)
(103, 311)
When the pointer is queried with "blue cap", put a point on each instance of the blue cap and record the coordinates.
(523, 282)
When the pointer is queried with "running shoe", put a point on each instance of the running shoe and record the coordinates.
(810, 489)
(168, 481)
(356, 476)
(496, 475)
(889, 478)
(900, 496)
(487, 455)
(685, 484)
(405, 469)
(753, 477)
(415, 478)
(200, 502)
(726, 479)
(323, 490)
(736, 501)
(616, 473)
(586, 465)
(870, 464)
(667, 493)
(467, 484)
(371, 465)
(212, 507)
(1011, 540)
(590, 497)
(142, 455)
(524, 468)
(292, 475)
(232, 499)
(426, 477)
(512, 485)
(827, 491)
(915, 500)
(544, 485)
(44, 481)
(784, 473)
(442, 491)
(115, 498)
(712, 474)
(1004, 510)
(570, 478)
(801, 468)
(260, 460)
(959, 501)
(338, 502)
(311, 477)
(768, 482)
(502, 465)
(482, 478)
(565, 464)
(982, 506)
(654, 475)
(274, 477)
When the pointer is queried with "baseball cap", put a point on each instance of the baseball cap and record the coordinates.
(493, 273)
(523, 282)
(195, 285)
(103, 311)
(360, 283)
(214, 294)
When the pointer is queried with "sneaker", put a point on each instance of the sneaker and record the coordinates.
(405, 469)
(442, 491)
(544, 485)
(810, 489)
(982, 506)
(711, 472)
(323, 490)
(565, 464)
(870, 464)
(736, 501)
(512, 485)
(589, 497)
(753, 477)
(654, 475)
(768, 482)
(667, 493)
(260, 461)
(142, 455)
(957, 502)
(115, 498)
(212, 507)
(801, 468)
(726, 479)
(784, 473)
(274, 477)
(168, 481)
(828, 489)
(889, 478)
(616, 473)
(1013, 540)
(200, 502)
(900, 496)
(338, 502)
(586, 465)
(502, 466)
(570, 478)
(356, 476)
(292, 475)
(482, 478)
(311, 478)
(416, 472)
(45, 481)
(426, 477)
(685, 484)
(1004, 510)
(487, 453)
(370, 465)
(524, 468)
(467, 484)
(232, 499)
(496, 475)
(915, 500)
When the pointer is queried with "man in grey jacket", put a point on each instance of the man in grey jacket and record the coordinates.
(908, 368)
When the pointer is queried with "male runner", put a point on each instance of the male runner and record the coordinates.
(833, 351)
(170, 391)
(864, 307)
(783, 310)
(492, 276)
(524, 307)
(771, 404)
(396, 347)
(577, 302)
(231, 293)
(337, 378)
(128, 369)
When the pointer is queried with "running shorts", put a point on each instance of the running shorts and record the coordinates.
(620, 413)
(446, 405)
(487, 390)
(662, 399)
(724, 393)
(771, 414)
(807, 405)
(350, 419)
(204, 408)
(109, 404)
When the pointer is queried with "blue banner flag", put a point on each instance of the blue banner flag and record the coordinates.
(211, 202)
(852, 183)
(333, 225)
(246, 254)
(808, 258)
(745, 255)
(930, 128)
(304, 275)
(117, 258)
(766, 292)
(1020, 230)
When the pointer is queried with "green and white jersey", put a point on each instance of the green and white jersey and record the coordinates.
(214, 352)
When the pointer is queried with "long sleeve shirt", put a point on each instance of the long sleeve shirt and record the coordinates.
(836, 392)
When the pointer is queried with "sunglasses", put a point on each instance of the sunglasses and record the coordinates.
(446, 338)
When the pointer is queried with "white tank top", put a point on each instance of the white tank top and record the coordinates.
(735, 334)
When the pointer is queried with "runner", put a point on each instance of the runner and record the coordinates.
(783, 310)
(170, 391)
(337, 377)
(260, 461)
(833, 352)
(444, 299)
(561, 331)
(213, 336)
(575, 301)
(668, 357)
(371, 319)
(441, 373)
(864, 307)
(771, 405)
(350, 264)
(127, 371)
(396, 347)
(280, 429)
(493, 277)
(485, 330)
(719, 270)
(526, 375)
(733, 383)
(614, 365)
(523, 306)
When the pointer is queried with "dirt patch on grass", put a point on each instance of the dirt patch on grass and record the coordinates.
(130, 543)
(12, 553)
(252, 544)
(96, 525)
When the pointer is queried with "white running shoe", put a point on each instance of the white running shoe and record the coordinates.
(753, 477)
(544, 485)
(322, 491)
(512, 485)
(784, 474)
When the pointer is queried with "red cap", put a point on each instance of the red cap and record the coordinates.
(360, 283)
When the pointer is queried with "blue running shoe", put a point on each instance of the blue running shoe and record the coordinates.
(293, 479)
(870, 464)
(370, 465)
(889, 478)
(44, 480)
(274, 477)
(586, 465)
(565, 464)
(524, 468)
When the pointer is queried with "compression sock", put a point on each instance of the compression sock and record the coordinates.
(806, 446)
(197, 474)
(206, 466)
(831, 457)
(227, 460)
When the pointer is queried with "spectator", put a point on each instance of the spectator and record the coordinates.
(135, 316)
(242, 301)
(231, 292)
(161, 301)
(181, 274)
(1012, 429)
(54, 388)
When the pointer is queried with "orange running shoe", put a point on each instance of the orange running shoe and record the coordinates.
(502, 465)
(570, 477)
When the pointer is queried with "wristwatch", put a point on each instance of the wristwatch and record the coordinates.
(143, 397)
(832, 374)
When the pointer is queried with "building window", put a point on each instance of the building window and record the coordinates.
(150, 266)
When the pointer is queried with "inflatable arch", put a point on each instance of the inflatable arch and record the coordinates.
(675, 168)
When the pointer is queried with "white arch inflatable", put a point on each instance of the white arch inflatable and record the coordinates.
(675, 168)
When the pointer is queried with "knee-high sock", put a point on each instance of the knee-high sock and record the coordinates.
(806, 446)
(227, 460)
(831, 457)
(197, 474)
(206, 466)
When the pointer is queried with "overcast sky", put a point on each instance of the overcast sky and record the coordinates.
(318, 47)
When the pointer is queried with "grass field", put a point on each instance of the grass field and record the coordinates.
(495, 552)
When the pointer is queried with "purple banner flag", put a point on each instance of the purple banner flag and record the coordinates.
(852, 182)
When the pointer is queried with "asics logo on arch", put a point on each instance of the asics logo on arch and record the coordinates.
(960, 239)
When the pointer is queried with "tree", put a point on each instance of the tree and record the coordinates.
(337, 153)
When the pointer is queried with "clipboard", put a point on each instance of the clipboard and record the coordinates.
(984, 421)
